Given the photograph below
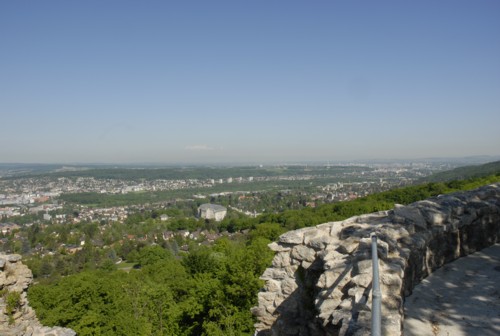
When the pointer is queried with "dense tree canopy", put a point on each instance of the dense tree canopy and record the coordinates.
(208, 292)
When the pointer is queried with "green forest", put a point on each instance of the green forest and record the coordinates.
(206, 291)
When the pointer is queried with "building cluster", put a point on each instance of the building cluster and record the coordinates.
(30, 190)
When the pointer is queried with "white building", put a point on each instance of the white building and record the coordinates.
(212, 211)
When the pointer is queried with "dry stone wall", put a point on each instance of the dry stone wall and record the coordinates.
(321, 277)
(19, 319)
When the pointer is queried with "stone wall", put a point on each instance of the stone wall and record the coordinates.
(15, 277)
(320, 279)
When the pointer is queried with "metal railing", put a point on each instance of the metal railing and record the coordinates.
(376, 294)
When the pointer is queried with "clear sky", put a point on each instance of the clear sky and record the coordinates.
(248, 81)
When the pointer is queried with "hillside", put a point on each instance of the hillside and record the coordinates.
(467, 172)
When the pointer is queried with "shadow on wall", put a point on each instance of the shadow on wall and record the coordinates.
(298, 313)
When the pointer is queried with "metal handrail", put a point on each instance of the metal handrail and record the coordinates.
(376, 294)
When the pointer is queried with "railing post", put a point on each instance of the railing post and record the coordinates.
(376, 294)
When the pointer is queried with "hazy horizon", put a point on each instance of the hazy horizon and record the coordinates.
(478, 159)
(123, 82)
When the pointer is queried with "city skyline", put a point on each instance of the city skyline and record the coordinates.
(222, 81)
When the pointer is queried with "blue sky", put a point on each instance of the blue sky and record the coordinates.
(248, 81)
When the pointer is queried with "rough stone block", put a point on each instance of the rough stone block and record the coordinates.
(281, 260)
(331, 256)
(278, 247)
(362, 280)
(328, 306)
(362, 267)
(348, 245)
(328, 278)
(293, 237)
(290, 270)
(318, 242)
(410, 215)
(13, 258)
(391, 279)
(273, 273)
(288, 286)
(306, 264)
(266, 297)
(301, 252)
(272, 286)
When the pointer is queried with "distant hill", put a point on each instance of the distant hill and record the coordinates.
(467, 172)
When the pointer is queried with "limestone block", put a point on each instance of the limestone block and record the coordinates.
(468, 218)
(288, 286)
(393, 231)
(333, 259)
(330, 293)
(258, 311)
(348, 245)
(328, 306)
(3, 279)
(365, 320)
(391, 303)
(351, 231)
(306, 264)
(318, 242)
(435, 217)
(365, 244)
(346, 304)
(273, 273)
(359, 295)
(326, 227)
(278, 300)
(362, 280)
(293, 237)
(340, 317)
(301, 252)
(290, 270)
(272, 286)
(391, 280)
(266, 297)
(281, 260)
(404, 253)
(362, 267)
(278, 247)
(329, 277)
(2, 263)
(9, 281)
(410, 215)
(391, 324)
(13, 258)
(336, 229)
(393, 268)
(318, 238)
(54, 331)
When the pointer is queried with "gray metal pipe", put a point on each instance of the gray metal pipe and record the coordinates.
(376, 294)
